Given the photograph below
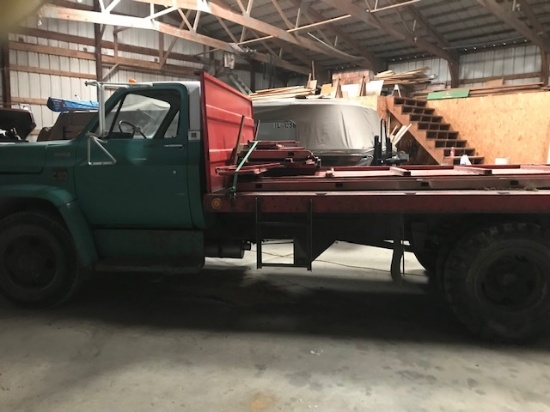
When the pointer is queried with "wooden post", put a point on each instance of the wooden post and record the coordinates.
(6, 81)
(161, 49)
(253, 76)
(545, 67)
(98, 36)
(454, 69)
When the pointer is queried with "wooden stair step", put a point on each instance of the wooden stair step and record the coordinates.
(441, 134)
(425, 118)
(409, 101)
(456, 143)
(431, 131)
(407, 109)
(459, 151)
(434, 126)
(475, 160)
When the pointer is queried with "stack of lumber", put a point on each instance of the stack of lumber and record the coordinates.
(354, 77)
(282, 93)
(411, 77)
(490, 90)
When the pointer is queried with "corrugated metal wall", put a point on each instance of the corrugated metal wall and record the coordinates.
(30, 88)
(502, 62)
(520, 60)
(262, 80)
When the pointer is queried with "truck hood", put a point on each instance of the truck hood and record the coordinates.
(22, 157)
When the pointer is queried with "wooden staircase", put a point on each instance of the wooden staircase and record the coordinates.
(430, 131)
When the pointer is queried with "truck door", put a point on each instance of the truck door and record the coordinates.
(136, 177)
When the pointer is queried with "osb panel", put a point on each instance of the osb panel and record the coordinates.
(514, 126)
(351, 77)
(372, 102)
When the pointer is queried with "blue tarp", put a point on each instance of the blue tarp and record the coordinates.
(64, 105)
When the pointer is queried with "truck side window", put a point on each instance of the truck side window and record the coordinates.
(172, 130)
(144, 115)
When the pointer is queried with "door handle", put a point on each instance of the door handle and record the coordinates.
(174, 146)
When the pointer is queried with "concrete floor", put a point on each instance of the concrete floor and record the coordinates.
(341, 338)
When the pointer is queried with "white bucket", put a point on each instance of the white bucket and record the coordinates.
(502, 161)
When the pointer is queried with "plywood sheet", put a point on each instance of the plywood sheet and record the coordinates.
(514, 126)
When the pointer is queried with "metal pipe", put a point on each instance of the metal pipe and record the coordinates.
(305, 27)
(376, 9)
(101, 111)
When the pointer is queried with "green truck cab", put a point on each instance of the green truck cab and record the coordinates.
(125, 194)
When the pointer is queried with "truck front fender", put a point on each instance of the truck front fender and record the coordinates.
(68, 208)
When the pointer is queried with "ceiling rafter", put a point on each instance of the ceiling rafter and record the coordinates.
(533, 19)
(317, 25)
(281, 13)
(511, 18)
(249, 7)
(64, 13)
(372, 61)
(164, 55)
(241, 6)
(248, 22)
(308, 27)
(430, 28)
(292, 50)
(229, 32)
(264, 43)
(277, 42)
(392, 5)
(396, 32)
(196, 21)
(185, 19)
(298, 27)
(243, 34)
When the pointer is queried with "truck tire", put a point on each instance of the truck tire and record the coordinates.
(497, 281)
(431, 261)
(38, 260)
(428, 260)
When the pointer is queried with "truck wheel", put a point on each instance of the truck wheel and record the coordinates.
(497, 281)
(38, 261)
(428, 259)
